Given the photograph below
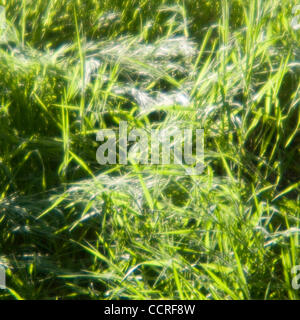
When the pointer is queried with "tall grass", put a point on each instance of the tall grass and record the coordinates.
(71, 228)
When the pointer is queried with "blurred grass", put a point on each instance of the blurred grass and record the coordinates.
(72, 229)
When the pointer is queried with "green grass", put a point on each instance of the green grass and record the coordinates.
(72, 229)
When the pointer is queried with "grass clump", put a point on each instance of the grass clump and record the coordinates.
(73, 229)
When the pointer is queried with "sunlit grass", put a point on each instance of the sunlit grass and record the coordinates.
(71, 228)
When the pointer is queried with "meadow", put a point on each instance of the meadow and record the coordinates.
(73, 229)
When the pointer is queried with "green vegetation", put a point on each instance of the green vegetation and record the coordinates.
(72, 229)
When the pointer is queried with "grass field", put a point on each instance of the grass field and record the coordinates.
(73, 229)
